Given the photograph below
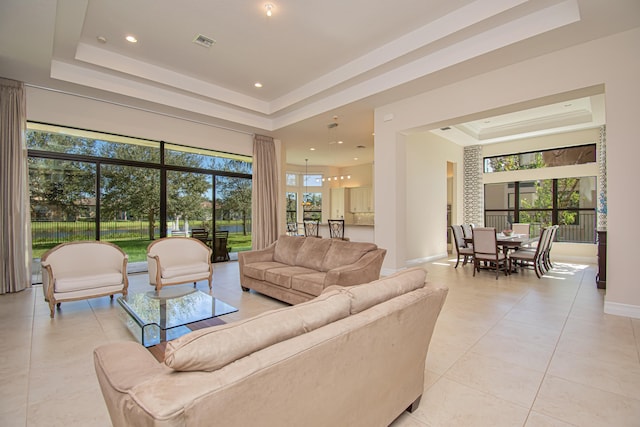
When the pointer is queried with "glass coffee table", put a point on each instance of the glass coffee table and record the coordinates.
(154, 317)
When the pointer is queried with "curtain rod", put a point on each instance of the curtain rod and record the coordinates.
(146, 110)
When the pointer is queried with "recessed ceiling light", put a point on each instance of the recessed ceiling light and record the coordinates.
(340, 142)
(257, 84)
(131, 39)
(312, 149)
(355, 158)
(102, 39)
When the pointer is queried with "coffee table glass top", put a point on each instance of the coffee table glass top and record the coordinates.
(153, 316)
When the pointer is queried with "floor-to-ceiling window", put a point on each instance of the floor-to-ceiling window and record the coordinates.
(569, 202)
(87, 185)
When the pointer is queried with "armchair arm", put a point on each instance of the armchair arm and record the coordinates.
(154, 268)
(366, 269)
(259, 255)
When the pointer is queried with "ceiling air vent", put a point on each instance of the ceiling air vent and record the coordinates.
(445, 128)
(204, 41)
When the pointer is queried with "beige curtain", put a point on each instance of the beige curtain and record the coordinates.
(15, 227)
(264, 203)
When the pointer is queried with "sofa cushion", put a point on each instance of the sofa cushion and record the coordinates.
(212, 348)
(185, 269)
(370, 294)
(312, 252)
(287, 248)
(344, 253)
(282, 276)
(257, 270)
(312, 283)
(81, 280)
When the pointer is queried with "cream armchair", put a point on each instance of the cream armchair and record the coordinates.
(81, 270)
(176, 260)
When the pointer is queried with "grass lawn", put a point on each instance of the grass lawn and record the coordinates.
(137, 249)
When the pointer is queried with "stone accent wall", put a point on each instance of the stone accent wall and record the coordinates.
(473, 193)
(602, 178)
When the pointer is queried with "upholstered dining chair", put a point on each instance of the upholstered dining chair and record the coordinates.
(462, 249)
(532, 258)
(466, 229)
(312, 228)
(521, 228)
(485, 249)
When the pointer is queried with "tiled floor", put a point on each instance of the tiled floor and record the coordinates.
(513, 352)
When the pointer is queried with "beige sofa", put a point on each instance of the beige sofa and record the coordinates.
(354, 356)
(295, 269)
(81, 270)
(176, 260)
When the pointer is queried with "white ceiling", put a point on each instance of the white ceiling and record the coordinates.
(316, 60)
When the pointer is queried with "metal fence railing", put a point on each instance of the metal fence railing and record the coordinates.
(583, 230)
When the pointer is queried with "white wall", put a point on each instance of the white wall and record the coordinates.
(426, 173)
(74, 111)
(611, 61)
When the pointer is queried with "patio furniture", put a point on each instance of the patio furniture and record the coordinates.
(485, 249)
(202, 235)
(462, 250)
(176, 260)
(220, 248)
(82, 270)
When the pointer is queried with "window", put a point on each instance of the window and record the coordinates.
(292, 207)
(87, 185)
(541, 159)
(303, 189)
(568, 202)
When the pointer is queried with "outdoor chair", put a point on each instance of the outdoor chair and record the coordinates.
(312, 228)
(485, 249)
(176, 260)
(220, 248)
(462, 249)
(82, 270)
(202, 235)
(532, 258)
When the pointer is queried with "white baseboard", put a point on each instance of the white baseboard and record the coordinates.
(619, 309)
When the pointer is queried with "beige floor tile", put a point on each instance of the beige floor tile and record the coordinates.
(448, 403)
(518, 350)
(585, 406)
(617, 377)
(537, 419)
(496, 377)
(493, 342)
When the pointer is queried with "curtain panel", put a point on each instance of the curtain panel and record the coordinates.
(264, 205)
(15, 227)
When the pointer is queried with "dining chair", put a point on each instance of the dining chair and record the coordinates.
(532, 258)
(312, 228)
(547, 254)
(292, 229)
(336, 228)
(202, 235)
(466, 229)
(521, 228)
(462, 250)
(485, 249)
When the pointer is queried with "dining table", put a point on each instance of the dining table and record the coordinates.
(511, 242)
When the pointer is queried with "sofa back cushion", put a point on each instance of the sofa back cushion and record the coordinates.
(287, 248)
(212, 348)
(370, 294)
(342, 253)
(312, 252)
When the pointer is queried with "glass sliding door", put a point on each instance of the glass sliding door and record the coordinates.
(129, 208)
(233, 211)
(189, 203)
(63, 202)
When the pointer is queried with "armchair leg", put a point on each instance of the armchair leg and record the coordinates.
(414, 405)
